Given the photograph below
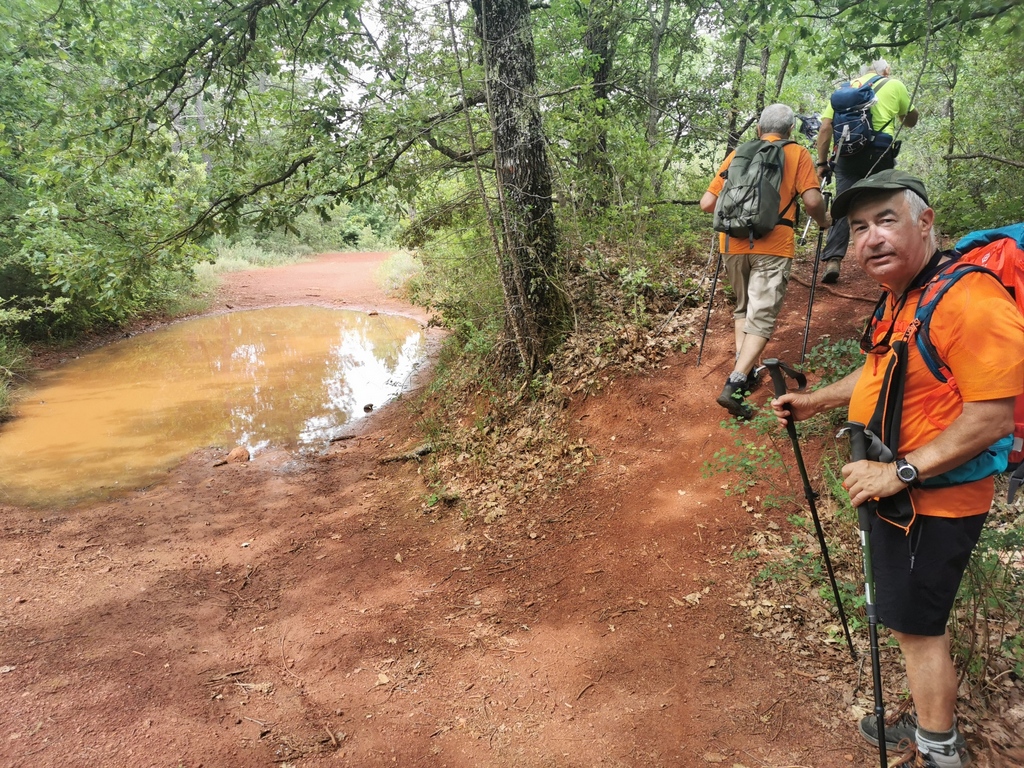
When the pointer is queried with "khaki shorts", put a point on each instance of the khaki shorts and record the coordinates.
(759, 281)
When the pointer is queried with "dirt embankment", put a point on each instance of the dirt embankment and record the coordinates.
(313, 612)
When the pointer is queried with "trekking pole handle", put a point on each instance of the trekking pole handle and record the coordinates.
(858, 440)
(779, 384)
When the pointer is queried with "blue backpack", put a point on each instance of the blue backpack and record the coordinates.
(852, 132)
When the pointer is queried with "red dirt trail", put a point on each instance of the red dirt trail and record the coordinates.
(611, 626)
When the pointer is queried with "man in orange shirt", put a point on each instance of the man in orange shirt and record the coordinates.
(759, 269)
(944, 428)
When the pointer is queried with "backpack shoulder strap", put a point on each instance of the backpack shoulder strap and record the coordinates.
(877, 82)
(933, 292)
(782, 144)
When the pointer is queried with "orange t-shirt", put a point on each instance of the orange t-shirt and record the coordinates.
(797, 177)
(979, 334)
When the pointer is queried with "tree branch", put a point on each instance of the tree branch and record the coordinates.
(986, 156)
(452, 154)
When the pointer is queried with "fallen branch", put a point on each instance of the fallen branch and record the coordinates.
(414, 455)
(833, 291)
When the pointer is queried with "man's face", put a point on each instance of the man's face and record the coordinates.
(889, 245)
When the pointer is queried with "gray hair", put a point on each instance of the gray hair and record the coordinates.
(878, 66)
(777, 118)
(917, 205)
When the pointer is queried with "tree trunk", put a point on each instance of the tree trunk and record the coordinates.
(534, 308)
(733, 138)
(658, 29)
(781, 77)
(593, 158)
(766, 57)
(951, 114)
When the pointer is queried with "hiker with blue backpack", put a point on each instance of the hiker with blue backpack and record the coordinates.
(860, 122)
(935, 440)
(754, 198)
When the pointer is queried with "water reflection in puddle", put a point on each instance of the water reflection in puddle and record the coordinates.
(121, 416)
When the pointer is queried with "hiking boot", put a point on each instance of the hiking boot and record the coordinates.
(731, 399)
(754, 378)
(831, 275)
(901, 732)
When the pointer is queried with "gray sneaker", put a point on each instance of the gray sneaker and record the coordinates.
(899, 734)
(902, 734)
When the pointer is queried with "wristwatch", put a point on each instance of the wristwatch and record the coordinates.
(907, 472)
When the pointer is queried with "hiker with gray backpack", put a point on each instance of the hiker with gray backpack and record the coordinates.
(754, 199)
(860, 123)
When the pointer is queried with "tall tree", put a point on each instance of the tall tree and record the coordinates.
(527, 255)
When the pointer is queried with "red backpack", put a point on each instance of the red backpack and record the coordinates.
(1001, 251)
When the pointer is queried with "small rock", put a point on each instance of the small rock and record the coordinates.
(238, 455)
(368, 407)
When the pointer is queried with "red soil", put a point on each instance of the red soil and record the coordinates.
(310, 612)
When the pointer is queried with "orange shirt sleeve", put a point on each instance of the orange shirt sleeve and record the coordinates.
(806, 176)
(715, 187)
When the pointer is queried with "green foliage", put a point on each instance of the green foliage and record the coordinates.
(985, 631)
(13, 363)
(833, 360)
(753, 459)
(399, 273)
(459, 279)
(799, 560)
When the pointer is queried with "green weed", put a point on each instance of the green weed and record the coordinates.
(753, 459)
(13, 362)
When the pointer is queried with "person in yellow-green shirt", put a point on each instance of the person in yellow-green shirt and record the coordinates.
(892, 104)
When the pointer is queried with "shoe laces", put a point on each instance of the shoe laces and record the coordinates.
(902, 715)
(913, 757)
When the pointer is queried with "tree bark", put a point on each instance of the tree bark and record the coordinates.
(659, 25)
(534, 309)
(593, 159)
(951, 113)
(733, 137)
(766, 57)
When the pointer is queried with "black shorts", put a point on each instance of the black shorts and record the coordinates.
(917, 575)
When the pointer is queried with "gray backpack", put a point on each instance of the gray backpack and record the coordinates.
(748, 205)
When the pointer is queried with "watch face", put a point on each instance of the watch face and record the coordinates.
(906, 473)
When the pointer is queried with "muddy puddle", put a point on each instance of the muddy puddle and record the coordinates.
(119, 417)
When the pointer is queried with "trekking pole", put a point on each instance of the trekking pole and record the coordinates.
(814, 282)
(711, 301)
(776, 369)
(807, 226)
(824, 183)
(859, 452)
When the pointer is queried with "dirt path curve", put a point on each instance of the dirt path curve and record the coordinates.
(313, 612)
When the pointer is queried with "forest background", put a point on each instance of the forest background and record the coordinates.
(509, 143)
